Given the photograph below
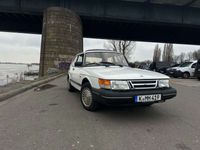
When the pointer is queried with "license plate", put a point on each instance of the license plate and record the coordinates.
(147, 98)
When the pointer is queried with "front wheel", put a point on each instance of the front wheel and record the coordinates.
(87, 98)
(186, 75)
(198, 78)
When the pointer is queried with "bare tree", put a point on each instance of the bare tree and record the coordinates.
(157, 53)
(189, 56)
(176, 58)
(122, 46)
(196, 55)
(182, 57)
(168, 53)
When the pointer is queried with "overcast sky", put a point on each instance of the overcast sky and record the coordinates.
(25, 48)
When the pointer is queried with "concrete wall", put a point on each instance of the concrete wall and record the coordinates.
(61, 39)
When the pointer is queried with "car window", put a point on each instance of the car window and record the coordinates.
(194, 65)
(92, 59)
(106, 57)
(80, 58)
(186, 64)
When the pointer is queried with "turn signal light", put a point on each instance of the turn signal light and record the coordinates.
(104, 83)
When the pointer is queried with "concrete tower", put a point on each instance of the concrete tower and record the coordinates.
(61, 38)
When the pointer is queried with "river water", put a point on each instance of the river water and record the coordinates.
(13, 72)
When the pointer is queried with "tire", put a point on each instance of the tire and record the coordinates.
(87, 98)
(186, 75)
(198, 78)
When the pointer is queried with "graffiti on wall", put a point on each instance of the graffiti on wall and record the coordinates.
(63, 62)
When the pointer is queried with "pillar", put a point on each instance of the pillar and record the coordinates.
(61, 39)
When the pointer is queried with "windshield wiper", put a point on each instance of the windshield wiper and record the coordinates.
(109, 64)
(93, 64)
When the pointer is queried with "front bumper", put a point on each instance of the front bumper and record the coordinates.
(111, 97)
(170, 72)
(178, 74)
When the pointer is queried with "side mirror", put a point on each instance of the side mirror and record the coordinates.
(78, 64)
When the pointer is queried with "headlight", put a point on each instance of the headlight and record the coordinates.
(163, 83)
(119, 85)
(114, 85)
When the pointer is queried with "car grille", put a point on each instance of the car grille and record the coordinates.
(143, 84)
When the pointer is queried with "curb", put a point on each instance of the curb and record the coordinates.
(15, 92)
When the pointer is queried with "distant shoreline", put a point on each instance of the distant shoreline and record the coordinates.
(12, 63)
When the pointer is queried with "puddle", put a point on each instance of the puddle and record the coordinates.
(53, 104)
(43, 111)
(44, 87)
(182, 146)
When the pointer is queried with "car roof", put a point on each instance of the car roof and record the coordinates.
(97, 50)
(100, 50)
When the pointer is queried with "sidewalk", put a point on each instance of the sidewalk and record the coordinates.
(12, 86)
(17, 88)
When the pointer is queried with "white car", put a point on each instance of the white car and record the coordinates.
(185, 70)
(104, 77)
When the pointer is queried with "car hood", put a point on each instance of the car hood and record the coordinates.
(123, 73)
(182, 68)
(172, 68)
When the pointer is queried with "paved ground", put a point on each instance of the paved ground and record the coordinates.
(53, 119)
(186, 82)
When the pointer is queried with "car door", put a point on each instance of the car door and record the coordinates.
(76, 69)
(192, 69)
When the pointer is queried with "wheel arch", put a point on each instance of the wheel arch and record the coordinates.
(93, 81)
(187, 72)
(85, 80)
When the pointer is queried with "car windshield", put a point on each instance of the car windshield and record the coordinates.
(186, 64)
(105, 58)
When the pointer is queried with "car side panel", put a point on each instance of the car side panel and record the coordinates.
(93, 80)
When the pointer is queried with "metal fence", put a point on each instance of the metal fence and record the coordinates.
(17, 77)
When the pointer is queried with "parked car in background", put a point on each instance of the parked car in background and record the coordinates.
(197, 69)
(171, 70)
(144, 66)
(162, 66)
(104, 77)
(185, 70)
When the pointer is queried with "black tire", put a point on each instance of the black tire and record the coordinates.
(93, 105)
(198, 78)
(186, 75)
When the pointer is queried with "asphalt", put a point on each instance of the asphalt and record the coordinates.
(51, 118)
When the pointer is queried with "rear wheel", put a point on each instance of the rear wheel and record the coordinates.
(87, 98)
(186, 75)
(199, 78)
